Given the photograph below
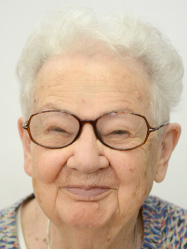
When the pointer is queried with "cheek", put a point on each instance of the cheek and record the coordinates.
(45, 169)
(129, 167)
(47, 164)
(135, 173)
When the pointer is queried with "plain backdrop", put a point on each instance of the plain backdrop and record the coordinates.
(17, 19)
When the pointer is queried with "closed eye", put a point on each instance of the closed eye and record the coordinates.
(58, 129)
(119, 132)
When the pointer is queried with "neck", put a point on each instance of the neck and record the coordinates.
(109, 236)
(86, 238)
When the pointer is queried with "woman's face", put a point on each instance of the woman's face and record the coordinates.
(88, 184)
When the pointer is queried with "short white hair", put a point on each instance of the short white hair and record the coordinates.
(67, 32)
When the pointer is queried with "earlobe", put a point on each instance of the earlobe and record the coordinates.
(26, 142)
(169, 140)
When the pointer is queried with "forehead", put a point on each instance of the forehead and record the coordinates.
(94, 86)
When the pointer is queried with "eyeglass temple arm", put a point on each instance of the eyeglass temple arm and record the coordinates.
(157, 128)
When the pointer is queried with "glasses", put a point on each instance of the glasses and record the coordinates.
(117, 130)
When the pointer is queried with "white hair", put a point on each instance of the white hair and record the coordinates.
(72, 31)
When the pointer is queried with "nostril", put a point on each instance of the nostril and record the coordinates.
(87, 162)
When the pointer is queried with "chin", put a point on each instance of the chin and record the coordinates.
(88, 215)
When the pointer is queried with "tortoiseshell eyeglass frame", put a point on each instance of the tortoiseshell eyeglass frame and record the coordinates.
(150, 129)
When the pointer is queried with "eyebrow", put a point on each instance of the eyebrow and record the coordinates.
(51, 106)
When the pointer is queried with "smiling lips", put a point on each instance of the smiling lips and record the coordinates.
(87, 192)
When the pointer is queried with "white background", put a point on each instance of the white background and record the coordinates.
(17, 19)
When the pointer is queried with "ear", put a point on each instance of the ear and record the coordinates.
(169, 139)
(26, 142)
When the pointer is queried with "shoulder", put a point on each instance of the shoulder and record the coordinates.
(166, 221)
(8, 233)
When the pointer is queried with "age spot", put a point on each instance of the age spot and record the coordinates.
(83, 101)
(131, 170)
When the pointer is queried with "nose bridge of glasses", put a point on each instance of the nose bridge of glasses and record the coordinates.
(86, 121)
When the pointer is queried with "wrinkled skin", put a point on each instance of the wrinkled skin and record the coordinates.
(88, 88)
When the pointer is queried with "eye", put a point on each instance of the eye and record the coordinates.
(57, 129)
(119, 132)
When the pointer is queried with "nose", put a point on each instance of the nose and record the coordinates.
(87, 154)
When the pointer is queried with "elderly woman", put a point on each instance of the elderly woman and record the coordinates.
(96, 99)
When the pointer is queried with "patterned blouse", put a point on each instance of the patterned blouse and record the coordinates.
(165, 225)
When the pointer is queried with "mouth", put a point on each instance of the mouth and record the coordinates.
(87, 192)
